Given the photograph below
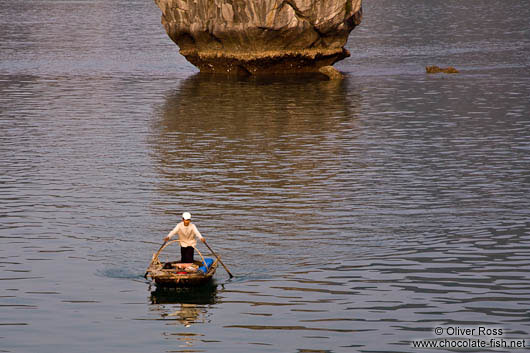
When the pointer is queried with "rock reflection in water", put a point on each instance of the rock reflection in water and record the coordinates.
(232, 108)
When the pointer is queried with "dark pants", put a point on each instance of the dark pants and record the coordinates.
(186, 254)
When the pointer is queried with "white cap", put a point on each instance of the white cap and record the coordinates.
(186, 215)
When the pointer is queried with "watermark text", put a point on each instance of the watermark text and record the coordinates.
(470, 338)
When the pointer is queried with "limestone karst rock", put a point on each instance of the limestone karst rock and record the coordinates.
(260, 36)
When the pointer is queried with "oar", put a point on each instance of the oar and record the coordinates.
(145, 276)
(218, 258)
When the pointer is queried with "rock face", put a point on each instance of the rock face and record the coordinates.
(260, 36)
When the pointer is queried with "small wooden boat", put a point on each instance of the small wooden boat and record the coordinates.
(176, 274)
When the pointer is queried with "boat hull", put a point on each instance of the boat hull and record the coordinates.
(177, 274)
(181, 281)
(171, 278)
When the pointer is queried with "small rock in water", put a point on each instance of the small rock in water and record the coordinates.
(437, 69)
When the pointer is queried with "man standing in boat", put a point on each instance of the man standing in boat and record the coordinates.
(187, 233)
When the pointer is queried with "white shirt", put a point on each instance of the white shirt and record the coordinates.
(186, 234)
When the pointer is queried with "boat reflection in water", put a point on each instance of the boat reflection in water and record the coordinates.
(201, 295)
(182, 308)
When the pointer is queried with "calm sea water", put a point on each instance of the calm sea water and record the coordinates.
(356, 216)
